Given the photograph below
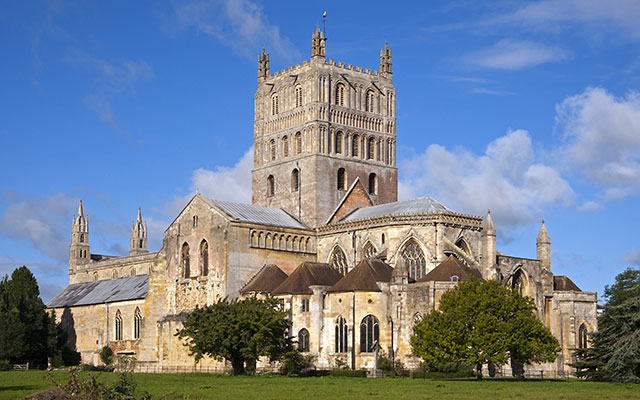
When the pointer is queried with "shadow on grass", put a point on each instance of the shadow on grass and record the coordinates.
(12, 388)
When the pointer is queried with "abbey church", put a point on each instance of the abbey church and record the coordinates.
(354, 267)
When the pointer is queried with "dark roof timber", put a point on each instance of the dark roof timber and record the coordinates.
(449, 268)
(265, 281)
(364, 277)
(306, 275)
(562, 283)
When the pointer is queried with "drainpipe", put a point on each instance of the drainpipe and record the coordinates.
(106, 306)
(353, 335)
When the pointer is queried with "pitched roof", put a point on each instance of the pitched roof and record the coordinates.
(265, 280)
(562, 283)
(308, 274)
(414, 206)
(356, 197)
(364, 277)
(98, 292)
(449, 268)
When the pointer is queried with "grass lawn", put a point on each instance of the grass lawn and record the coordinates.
(17, 384)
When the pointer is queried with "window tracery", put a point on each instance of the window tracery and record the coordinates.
(414, 259)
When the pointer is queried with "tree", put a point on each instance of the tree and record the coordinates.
(239, 331)
(28, 333)
(614, 354)
(483, 322)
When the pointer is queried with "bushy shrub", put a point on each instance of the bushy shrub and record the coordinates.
(391, 368)
(317, 372)
(87, 387)
(70, 358)
(294, 363)
(347, 373)
(106, 355)
(100, 368)
(5, 365)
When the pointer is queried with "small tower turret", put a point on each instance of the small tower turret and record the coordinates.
(488, 246)
(385, 59)
(79, 252)
(318, 44)
(138, 236)
(400, 274)
(263, 65)
(543, 247)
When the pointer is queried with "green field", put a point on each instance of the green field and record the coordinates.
(17, 384)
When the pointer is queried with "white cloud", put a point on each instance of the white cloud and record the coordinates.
(602, 139)
(239, 24)
(590, 206)
(512, 55)
(634, 257)
(505, 179)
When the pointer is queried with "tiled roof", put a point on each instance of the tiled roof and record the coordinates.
(564, 284)
(364, 277)
(308, 274)
(449, 268)
(259, 215)
(414, 206)
(98, 292)
(264, 281)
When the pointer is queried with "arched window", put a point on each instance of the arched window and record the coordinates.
(582, 337)
(369, 334)
(369, 250)
(355, 146)
(338, 260)
(298, 142)
(370, 98)
(82, 238)
(303, 340)
(133, 272)
(137, 322)
(295, 180)
(373, 184)
(285, 146)
(272, 150)
(414, 259)
(342, 179)
(455, 278)
(274, 104)
(517, 282)
(340, 94)
(185, 261)
(339, 142)
(461, 243)
(118, 325)
(371, 148)
(298, 93)
(342, 335)
(204, 258)
(95, 276)
(270, 186)
(115, 274)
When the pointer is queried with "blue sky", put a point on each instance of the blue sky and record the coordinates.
(531, 109)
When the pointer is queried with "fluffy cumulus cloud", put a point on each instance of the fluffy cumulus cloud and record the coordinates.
(240, 24)
(602, 139)
(506, 179)
(513, 55)
(633, 257)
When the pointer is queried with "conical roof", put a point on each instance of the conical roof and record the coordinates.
(488, 228)
(308, 274)
(449, 268)
(364, 277)
(543, 235)
(264, 281)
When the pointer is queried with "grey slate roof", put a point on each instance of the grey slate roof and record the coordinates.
(109, 291)
(414, 206)
(259, 215)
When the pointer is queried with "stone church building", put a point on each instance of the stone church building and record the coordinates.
(325, 233)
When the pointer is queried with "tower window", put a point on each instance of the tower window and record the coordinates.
(340, 94)
(141, 243)
(355, 146)
(373, 184)
(295, 180)
(298, 143)
(204, 257)
(342, 179)
(298, 93)
(370, 99)
(339, 140)
(195, 221)
(285, 146)
(272, 150)
(186, 272)
(274, 104)
(270, 186)
(82, 238)
(371, 150)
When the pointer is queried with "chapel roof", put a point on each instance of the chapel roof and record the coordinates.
(414, 206)
(265, 280)
(257, 214)
(562, 283)
(450, 267)
(364, 276)
(99, 292)
(308, 274)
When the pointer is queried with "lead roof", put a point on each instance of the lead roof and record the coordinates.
(99, 292)
(420, 205)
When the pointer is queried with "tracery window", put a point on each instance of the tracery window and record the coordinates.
(373, 184)
(118, 326)
(185, 261)
(342, 179)
(414, 259)
(517, 282)
(272, 150)
(285, 146)
(295, 180)
(355, 146)
(338, 260)
(369, 334)
(270, 186)
(370, 99)
(204, 257)
(298, 93)
(298, 142)
(582, 337)
(339, 142)
(303, 340)
(137, 322)
(340, 94)
(369, 250)
(341, 335)
(371, 149)
(274, 104)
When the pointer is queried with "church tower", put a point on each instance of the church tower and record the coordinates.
(138, 236)
(318, 126)
(79, 252)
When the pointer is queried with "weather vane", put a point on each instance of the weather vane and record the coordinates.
(324, 23)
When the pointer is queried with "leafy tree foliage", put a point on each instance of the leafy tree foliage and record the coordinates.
(614, 354)
(483, 322)
(239, 331)
(28, 333)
